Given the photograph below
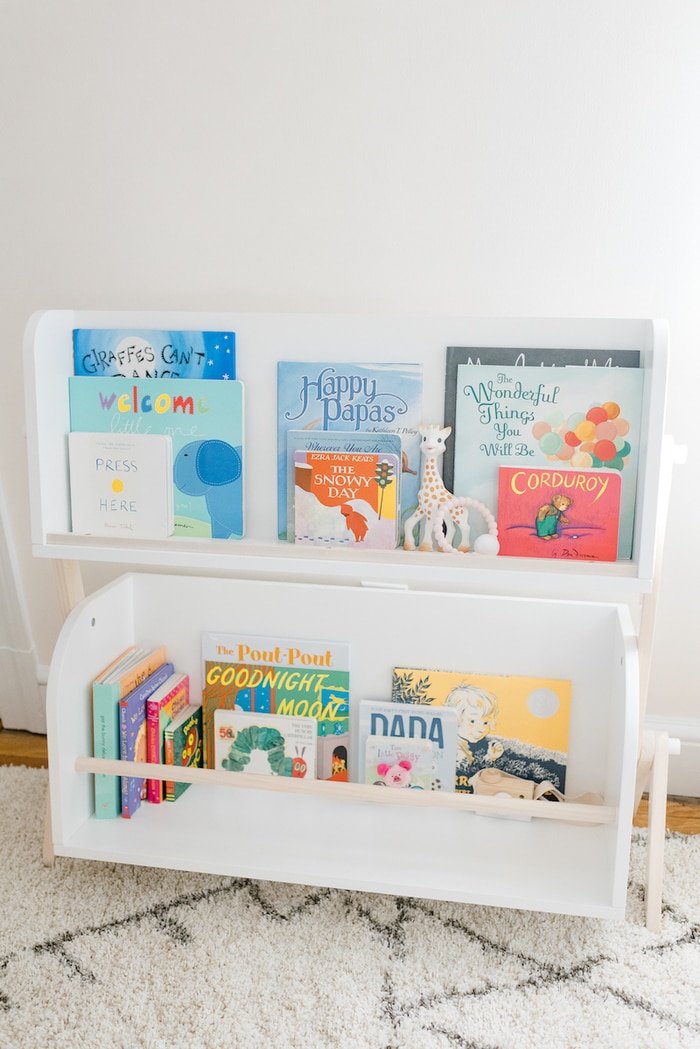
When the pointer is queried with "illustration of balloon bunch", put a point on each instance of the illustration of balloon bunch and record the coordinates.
(597, 438)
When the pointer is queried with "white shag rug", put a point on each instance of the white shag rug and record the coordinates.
(116, 957)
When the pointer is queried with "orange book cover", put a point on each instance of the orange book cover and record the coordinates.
(565, 514)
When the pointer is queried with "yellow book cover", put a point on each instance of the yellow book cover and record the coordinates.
(518, 725)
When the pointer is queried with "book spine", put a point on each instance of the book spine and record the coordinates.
(154, 786)
(169, 747)
(105, 703)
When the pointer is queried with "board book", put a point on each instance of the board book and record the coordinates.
(280, 675)
(143, 353)
(565, 418)
(417, 724)
(398, 763)
(341, 396)
(133, 736)
(161, 707)
(534, 357)
(333, 441)
(204, 420)
(516, 724)
(111, 686)
(183, 746)
(268, 744)
(346, 499)
(569, 515)
(121, 485)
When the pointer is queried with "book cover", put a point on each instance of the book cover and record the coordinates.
(161, 707)
(143, 353)
(183, 746)
(133, 736)
(205, 423)
(346, 499)
(280, 675)
(269, 744)
(567, 514)
(435, 726)
(340, 396)
(568, 418)
(516, 724)
(111, 686)
(333, 441)
(561, 357)
(121, 485)
(398, 763)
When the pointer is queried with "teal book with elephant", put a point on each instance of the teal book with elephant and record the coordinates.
(204, 419)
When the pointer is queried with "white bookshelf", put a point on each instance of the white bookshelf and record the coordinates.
(503, 615)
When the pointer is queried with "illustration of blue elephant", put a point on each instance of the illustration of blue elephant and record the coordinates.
(214, 469)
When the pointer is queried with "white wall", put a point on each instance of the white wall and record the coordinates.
(500, 158)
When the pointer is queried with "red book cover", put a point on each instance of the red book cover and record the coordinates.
(566, 514)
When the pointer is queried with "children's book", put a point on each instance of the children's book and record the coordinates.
(161, 707)
(121, 485)
(529, 357)
(566, 514)
(515, 724)
(565, 418)
(402, 763)
(205, 423)
(111, 686)
(341, 396)
(346, 499)
(333, 441)
(133, 736)
(183, 746)
(268, 744)
(280, 675)
(434, 726)
(140, 353)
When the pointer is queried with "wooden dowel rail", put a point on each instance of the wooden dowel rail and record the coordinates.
(572, 812)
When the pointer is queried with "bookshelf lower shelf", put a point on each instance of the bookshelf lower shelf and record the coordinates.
(425, 852)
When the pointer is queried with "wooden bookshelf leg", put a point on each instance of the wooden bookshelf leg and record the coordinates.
(658, 792)
(48, 853)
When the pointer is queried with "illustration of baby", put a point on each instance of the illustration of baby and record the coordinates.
(477, 711)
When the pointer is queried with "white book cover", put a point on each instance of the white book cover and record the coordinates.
(121, 485)
(266, 744)
(402, 763)
(413, 723)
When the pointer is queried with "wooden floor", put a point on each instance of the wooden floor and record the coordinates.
(25, 748)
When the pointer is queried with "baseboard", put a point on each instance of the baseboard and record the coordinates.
(683, 768)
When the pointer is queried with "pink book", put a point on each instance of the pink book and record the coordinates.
(161, 708)
(561, 513)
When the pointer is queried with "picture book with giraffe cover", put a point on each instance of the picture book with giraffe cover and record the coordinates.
(570, 418)
(204, 420)
(571, 515)
(342, 396)
(521, 357)
(265, 744)
(281, 675)
(346, 499)
(334, 441)
(143, 353)
(516, 724)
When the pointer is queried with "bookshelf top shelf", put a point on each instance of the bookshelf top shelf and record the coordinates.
(263, 340)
